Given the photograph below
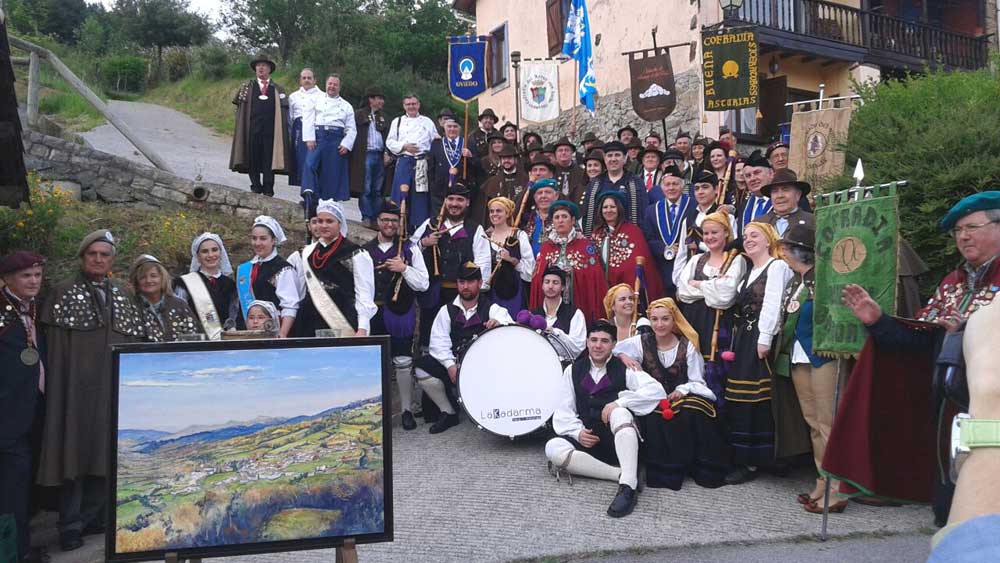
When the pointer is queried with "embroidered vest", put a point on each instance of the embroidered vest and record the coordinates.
(668, 376)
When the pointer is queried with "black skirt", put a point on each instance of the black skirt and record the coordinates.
(748, 402)
(692, 443)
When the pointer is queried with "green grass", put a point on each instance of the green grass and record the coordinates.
(300, 523)
(128, 512)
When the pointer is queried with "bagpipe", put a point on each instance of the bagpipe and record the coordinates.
(511, 240)
(639, 294)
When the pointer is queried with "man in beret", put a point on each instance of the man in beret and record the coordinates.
(22, 390)
(82, 317)
(455, 325)
(261, 145)
(899, 355)
(616, 178)
(367, 160)
(571, 177)
(535, 219)
(786, 192)
(597, 436)
(510, 182)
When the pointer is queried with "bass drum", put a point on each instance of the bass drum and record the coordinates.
(509, 381)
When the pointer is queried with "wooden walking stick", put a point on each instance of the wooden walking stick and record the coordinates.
(403, 191)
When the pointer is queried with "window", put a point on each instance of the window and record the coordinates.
(556, 13)
(499, 57)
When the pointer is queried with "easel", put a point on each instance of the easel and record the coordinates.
(347, 553)
(172, 557)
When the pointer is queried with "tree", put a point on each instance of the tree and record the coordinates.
(163, 23)
(285, 24)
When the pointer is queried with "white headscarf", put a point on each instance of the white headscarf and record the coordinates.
(269, 308)
(272, 225)
(333, 208)
(225, 266)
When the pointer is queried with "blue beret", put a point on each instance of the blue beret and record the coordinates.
(564, 204)
(545, 183)
(620, 197)
(983, 201)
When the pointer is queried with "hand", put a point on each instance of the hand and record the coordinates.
(982, 362)
(505, 255)
(343, 150)
(606, 412)
(395, 265)
(861, 304)
(762, 351)
(492, 323)
(466, 153)
(950, 321)
(588, 439)
(674, 395)
(361, 332)
(386, 159)
(695, 283)
(411, 148)
(311, 145)
(730, 208)
(453, 374)
(630, 362)
(431, 239)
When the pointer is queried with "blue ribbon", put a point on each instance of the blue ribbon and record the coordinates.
(243, 286)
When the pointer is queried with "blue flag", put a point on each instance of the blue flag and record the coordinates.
(577, 45)
(467, 67)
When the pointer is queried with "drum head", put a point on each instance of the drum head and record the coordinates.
(509, 381)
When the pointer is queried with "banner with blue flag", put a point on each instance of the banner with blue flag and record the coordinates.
(577, 46)
(467, 66)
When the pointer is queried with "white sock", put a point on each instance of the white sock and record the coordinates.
(404, 381)
(563, 455)
(434, 388)
(626, 446)
(418, 394)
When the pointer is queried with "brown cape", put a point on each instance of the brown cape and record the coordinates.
(281, 153)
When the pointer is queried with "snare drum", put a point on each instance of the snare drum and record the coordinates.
(509, 381)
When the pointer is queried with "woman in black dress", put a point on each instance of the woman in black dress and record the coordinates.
(167, 317)
(209, 288)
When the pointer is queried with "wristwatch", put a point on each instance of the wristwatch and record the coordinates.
(968, 433)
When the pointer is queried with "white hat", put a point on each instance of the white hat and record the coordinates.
(225, 266)
(333, 208)
(272, 225)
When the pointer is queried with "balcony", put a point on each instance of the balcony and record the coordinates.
(846, 33)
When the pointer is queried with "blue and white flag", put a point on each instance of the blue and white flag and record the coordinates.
(577, 45)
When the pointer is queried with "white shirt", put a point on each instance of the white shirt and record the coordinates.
(285, 287)
(364, 285)
(649, 179)
(415, 274)
(526, 266)
(770, 313)
(632, 347)
(718, 292)
(480, 245)
(302, 100)
(570, 344)
(419, 130)
(799, 355)
(682, 250)
(440, 340)
(641, 396)
(330, 112)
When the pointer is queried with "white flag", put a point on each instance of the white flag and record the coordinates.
(539, 91)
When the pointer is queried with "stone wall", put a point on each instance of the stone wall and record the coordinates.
(614, 111)
(112, 179)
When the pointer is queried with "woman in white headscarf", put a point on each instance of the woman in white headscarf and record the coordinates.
(338, 276)
(267, 276)
(209, 287)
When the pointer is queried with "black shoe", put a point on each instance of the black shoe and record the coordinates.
(624, 502)
(408, 422)
(70, 540)
(93, 529)
(445, 422)
(780, 469)
(740, 475)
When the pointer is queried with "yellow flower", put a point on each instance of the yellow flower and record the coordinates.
(20, 224)
(29, 213)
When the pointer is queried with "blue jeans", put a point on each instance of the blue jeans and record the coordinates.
(418, 204)
(370, 200)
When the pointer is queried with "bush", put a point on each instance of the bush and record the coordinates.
(176, 64)
(31, 226)
(938, 131)
(210, 61)
(124, 73)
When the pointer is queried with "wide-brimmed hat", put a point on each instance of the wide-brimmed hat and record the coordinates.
(564, 142)
(506, 125)
(532, 147)
(589, 136)
(262, 58)
(653, 150)
(627, 128)
(494, 136)
(800, 235)
(508, 150)
(542, 160)
(488, 112)
(596, 154)
(445, 112)
(635, 143)
(786, 177)
(376, 92)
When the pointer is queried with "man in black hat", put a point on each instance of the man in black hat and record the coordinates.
(664, 221)
(673, 157)
(22, 391)
(398, 280)
(777, 154)
(633, 161)
(532, 149)
(261, 146)
(626, 134)
(683, 143)
(595, 420)
(367, 173)
(476, 140)
(785, 191)
(443, 116)
(450, 161)
(588, 142)
(83, 316)
(571, 176)
(616, 178)
(649, 172)
(510, 182)
(468, 314)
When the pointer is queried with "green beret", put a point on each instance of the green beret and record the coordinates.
(101, 235)
(545, 183)
(983, 201)
(564, 204)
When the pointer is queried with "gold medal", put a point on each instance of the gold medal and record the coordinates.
(453, 171)
(29, 356)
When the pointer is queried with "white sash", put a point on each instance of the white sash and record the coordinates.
(321, 299)
(203, 305)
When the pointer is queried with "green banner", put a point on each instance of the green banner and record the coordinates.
(729, 69)
(856, 242)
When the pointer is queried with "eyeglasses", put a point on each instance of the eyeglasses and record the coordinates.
(970, 229)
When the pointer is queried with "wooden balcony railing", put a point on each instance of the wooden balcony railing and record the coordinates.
(849, 25)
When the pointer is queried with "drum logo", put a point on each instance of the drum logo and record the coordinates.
(515, 415)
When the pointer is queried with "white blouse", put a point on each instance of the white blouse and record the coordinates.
(770, 313)
(526, 265)
(717, 291)
(632, 347)
(285, 287)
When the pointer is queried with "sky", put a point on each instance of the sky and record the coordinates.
(170, 391)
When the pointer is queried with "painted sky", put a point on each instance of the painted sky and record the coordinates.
(172, 391)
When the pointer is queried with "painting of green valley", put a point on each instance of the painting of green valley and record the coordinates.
(237, 447)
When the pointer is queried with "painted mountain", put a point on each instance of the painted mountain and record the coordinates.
(266, 479)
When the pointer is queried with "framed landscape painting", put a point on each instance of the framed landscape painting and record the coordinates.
(254, 446)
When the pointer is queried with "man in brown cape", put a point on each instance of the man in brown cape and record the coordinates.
(261, 147)
(82, 317)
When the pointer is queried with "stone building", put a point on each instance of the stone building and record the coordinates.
(803, 43)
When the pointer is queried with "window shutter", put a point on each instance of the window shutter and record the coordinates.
(554, 19)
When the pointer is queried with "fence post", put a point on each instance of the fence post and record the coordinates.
(34, 87)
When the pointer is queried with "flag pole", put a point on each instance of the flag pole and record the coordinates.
(576, 75)
(656, 50)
